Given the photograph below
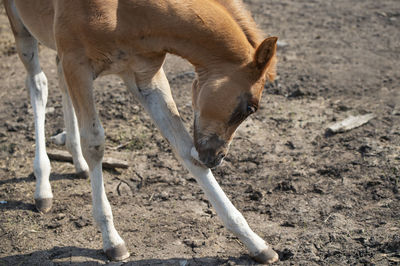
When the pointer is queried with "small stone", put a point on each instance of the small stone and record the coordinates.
(50, 110)
(164, 195)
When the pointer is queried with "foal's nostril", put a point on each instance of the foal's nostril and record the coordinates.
(220, 156)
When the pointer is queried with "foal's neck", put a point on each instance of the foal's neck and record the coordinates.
(205, 34)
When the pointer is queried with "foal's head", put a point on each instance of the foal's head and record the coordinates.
(223, 100)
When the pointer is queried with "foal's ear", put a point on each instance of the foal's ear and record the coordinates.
(265, 53)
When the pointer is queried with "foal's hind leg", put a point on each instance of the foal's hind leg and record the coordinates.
(79, 78)
(73, 142)
(36, 82)
(157, 99)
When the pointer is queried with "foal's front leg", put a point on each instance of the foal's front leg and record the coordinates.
(157, 100)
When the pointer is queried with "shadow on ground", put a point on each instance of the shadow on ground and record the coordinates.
(31, 178)
(85, 256)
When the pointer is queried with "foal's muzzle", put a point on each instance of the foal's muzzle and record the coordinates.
(212, 150)
(210, 160)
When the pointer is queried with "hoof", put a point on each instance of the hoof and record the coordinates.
(117, 253)
(82, 175)
(59, 139)
(43, 205)
(267, 256)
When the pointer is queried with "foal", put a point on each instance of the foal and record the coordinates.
(130, 38)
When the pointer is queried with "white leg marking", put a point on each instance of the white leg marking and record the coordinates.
(92, 139)
(102, 210)
(36, 82)
(37, 85)
(230, 216)
(157, 99)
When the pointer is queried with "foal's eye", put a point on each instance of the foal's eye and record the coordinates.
(239, 115)
(251, 109)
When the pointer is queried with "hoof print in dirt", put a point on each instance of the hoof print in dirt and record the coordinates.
(81, 222)
(285, 254)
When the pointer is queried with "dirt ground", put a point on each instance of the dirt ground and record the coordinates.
(317, 199)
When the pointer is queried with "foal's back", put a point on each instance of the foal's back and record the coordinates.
(107, 23)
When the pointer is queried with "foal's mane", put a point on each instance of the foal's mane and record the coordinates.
(242, 16)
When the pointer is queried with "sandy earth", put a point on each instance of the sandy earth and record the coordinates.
(319, 200)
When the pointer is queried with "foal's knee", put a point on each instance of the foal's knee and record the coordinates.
(92, 142)
(37, 84)
(27, 48)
